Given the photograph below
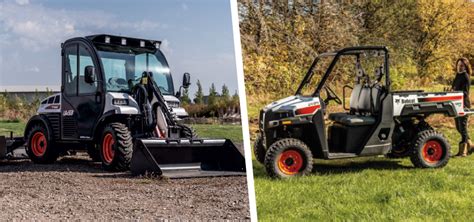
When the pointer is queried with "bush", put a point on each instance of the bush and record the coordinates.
(17, 109)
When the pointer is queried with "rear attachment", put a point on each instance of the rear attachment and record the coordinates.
(10, 147)
(182, 158)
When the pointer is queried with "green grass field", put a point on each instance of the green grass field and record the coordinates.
(233, 132)
(16, 127)
(371, 189)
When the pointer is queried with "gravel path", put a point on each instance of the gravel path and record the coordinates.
(75, 187)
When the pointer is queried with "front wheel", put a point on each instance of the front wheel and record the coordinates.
(116, 147)
(259, 149)
(40, 149)
(288, 158)
(430, 150)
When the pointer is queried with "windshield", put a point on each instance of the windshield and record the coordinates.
(123, 69)
(314, 75)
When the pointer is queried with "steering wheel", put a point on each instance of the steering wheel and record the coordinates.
(331, 96)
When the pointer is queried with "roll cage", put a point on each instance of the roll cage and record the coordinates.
(356, 51)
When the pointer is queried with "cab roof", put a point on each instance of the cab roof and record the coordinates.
(106, 39)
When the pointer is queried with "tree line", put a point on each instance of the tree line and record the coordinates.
(281, 38)
(215, 104)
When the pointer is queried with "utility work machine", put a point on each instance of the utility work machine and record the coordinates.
(378, 121)
(111, 104)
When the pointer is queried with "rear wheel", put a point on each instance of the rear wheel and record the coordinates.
(187, 132)
(116, 147)
(403, 141)
(259, 149)
(40, 149)
(288, 158)
(430, 150)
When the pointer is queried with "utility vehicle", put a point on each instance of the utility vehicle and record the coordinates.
(378, 121)
(112, 104)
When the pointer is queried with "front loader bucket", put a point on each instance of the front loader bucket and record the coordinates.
(177, 158)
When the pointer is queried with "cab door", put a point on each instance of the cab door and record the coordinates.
(82, 102)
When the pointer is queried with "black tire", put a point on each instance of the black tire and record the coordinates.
(295, 149)
(430, 150)
(121, 145)
(259, 150)
(40, 148)
(94, 153)
(403, 142)
(187, 132)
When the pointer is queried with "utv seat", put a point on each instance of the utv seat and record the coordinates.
(363, 103)
(352, 120)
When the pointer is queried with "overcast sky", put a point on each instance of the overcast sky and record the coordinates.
(196, 35)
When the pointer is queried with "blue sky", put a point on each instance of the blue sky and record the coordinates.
(197, 36)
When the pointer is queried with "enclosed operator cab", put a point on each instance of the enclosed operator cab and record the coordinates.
(98, 73)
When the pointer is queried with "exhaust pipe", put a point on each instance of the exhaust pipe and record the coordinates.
(187, 158)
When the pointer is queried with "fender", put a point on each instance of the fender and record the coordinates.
(109, 116)
(39, 118)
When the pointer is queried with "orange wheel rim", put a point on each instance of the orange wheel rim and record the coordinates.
(108, 148)
(39, 144)
(290, 162)
(432, 151)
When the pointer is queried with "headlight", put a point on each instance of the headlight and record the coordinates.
(173, 104)
(120, 102)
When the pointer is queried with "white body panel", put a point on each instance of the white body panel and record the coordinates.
(131, 109)
(174, 104)
(400, 100)
(294, 103)
(46, 106)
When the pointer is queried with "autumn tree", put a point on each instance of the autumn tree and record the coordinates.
(212, 99)
(185, 97)
(199, 96)
(225, 95)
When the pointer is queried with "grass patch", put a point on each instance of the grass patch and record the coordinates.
(233, 132)
(16, 126)
(372, 189)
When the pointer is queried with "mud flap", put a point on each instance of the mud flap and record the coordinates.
(187, 158)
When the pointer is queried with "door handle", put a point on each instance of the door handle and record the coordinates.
(98, 97)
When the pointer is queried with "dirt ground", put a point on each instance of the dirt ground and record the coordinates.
(76, 188)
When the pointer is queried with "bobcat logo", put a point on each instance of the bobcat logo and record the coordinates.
(68, 112)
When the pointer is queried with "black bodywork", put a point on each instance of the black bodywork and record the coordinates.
(83, 126)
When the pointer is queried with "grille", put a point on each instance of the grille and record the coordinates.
(54, 119)
(69, 127)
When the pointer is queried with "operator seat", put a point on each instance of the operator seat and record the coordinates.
(377, 89)
(361, 105)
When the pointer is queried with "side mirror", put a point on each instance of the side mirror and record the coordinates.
(89, 74)
(186, 80)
